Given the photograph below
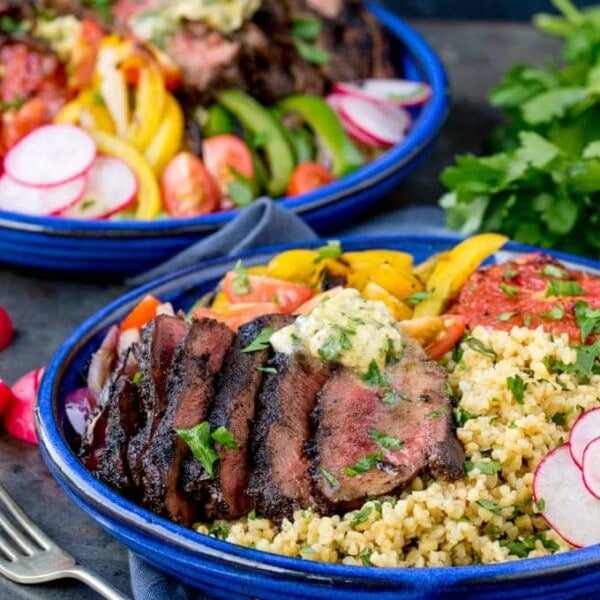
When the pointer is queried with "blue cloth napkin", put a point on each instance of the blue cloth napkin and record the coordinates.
(263, 223)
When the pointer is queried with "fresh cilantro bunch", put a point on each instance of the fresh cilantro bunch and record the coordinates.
(542, 186)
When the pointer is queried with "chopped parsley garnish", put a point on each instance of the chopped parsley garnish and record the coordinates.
(361, 516)
(461, 416)
(240, 284)
(587, 362)
(335, 344)
(374, 376)
(137, 378)
(510, 290)
(219, 530)
(387, 442)
(418, 297)
(559, 418)
(435, 414)
(261, 341)
(329, 477)
(485, 467)
(489, 505)
(556, 313)
(365, 557)
(521, 547)
(364, 464)
(506, 316)
(333, 249)
(201, 442)
(389, 397)
(551, 270)
(478, 346)
(588, 319)
(540, 505)
(558, 287)
(516, 386)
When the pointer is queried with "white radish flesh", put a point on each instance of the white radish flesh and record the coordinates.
(386, 124)
(334, 101)
(584, 430)
(564, 501)
(39, 201)
(393, 91)
(50, 155)
(111, 188)
(591, 467)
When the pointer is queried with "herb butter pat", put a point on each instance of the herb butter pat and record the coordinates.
(345, 328)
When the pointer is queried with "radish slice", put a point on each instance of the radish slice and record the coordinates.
(111, 188)
(385, 123)
(50, 155)
(392, 91)
(18, 419)
(7, 329)
(591, 467)
(360, 136)
(78, 409)
(6, 397)
(566, 503)
(584, 430)
(39, 201)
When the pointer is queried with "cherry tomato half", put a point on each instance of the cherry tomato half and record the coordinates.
(224, 155)
(188, 189)
(235, 315)
(308, 176)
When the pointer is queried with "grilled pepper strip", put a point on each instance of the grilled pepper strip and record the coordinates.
(321, 118)
(257, 120)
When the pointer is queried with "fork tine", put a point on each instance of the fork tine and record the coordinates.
(22, 519)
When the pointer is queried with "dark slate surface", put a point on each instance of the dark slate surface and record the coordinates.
(46, 308)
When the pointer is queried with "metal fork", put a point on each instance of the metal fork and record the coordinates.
(28, 555)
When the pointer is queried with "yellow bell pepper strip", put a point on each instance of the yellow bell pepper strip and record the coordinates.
(149, 104)
(149, 203)
(167, 140)
(373, 291)
(261, 124)
(454, 268)
(325, 124)
(87, 111)
(112, 83)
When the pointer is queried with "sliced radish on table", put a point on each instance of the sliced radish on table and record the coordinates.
(584, 430)
(50, 155)
(18, 419)
(393, 91)
(564, 500)
(591, 467)
(39, 201)
(385, 123)
(6, 397)
(7, 329)
(111, 188)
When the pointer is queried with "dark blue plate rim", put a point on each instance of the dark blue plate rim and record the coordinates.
(74, 475)
(426, 127)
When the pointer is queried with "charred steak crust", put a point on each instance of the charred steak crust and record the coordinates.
(279, 481)
(354, 460)
(189, 394)
(238, 383)
(159, 339)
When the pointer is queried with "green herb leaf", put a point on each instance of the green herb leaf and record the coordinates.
(329, 477)
(387, 442)
(332, 250)
(364, 464)
(261, 341)
(516, 386)
(311, 53)
(485, 467)
(588, 319)
(221, 435)
(489, 505)
(478, 346)
(374, 376)
(200, 443)
(559, 287)
(240, 284)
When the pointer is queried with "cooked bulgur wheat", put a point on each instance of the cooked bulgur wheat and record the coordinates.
(489, 515)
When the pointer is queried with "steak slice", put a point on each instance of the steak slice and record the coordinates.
(234, 408)
(190, 390)
(159, 339)
(279, 480)
(371, 443)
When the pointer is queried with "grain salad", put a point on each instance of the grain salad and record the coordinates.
(511, 410)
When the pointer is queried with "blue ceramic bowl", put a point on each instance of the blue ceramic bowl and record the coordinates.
(224, 570)
(130, 247)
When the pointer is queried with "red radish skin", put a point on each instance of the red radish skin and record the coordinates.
(584, 430)
(400, 92)
(7, 330)
(6, 397)
(19, 418)
(50, 155)
(591, 467)
(39, 201)
(564, 501)
(78, 409)
(111, 188)
(385, 123)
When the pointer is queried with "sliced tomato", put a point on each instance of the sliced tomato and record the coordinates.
(85, 52)
(188, 189)
(235, 315)
(259, 288)
(308, 176)
(453, 328)
(306, 307)
(224, 156)
(143, 312)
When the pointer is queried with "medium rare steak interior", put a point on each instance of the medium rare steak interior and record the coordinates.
(265, 430)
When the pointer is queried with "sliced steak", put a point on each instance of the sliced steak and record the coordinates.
(159, 339)
(279, 480)
(371, 443)
(190, 390)
(234, 409)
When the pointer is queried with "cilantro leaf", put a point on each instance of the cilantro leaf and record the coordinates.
(261, 341)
